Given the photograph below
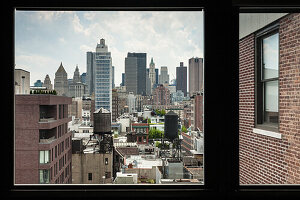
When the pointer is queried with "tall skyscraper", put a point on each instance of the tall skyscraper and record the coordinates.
(61, 81)
(83, 78)
(181, 78)
(76, 76)
(135, 73)
(47, 83)
(195, 75)
(113, 77)
(164, 76)
(99, 76)
(76, 88)
(123, 79)
(152, 74)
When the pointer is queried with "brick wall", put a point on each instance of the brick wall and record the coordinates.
(289, 101)
(265, 159)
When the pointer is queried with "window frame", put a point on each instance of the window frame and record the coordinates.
(259, 84)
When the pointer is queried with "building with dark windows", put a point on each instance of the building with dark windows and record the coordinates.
(135, 73)
(181, 78)
(43, 141)
(269, 101)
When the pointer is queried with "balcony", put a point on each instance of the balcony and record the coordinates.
(47, 113)
(47, 136)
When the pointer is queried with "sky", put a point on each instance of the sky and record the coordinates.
(44, 39)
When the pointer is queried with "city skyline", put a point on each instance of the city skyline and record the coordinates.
(44, 39)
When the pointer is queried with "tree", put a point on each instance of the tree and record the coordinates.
(162, 112)
(149, 121)
(183, 129)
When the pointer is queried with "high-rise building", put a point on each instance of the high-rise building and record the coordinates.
(113, 77)
(61, 81)
(195, 75)
(47, 83)
(164, 76)
(76, 88)
(83, 78)
(115, 105)
(99, 76)
(123, 80)
(42, 140)
(131, 102)
(22, 81)
(161, 96)
(38, 83)
(181, 78)
(152, 74)
(135, 73)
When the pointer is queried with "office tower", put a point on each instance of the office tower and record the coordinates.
(152, 74)
(22, 81)
(42, 140)
(123, 80)
(83, 78)
(47, 83)
(113, 77)
(61, 81)
(195, 75)
(99, 75)
(135, 73)
(38, 83)
(181, 78)
(164, 76)
(76, 88)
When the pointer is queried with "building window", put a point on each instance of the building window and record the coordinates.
(44, 157)
(90, 176)
(44, 175)
(267, 80)
(106, 161)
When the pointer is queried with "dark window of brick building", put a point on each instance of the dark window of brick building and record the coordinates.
(90, 176)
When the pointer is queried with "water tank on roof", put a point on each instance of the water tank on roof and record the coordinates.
(171, 125)
(102, 121)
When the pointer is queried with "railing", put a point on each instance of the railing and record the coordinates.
(50, 119)
(48, 140)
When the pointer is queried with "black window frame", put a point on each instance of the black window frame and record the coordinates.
(260, 35)
(220, 110)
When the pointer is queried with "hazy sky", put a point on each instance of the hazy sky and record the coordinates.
(45, 39)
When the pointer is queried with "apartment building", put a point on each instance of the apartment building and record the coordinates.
(42, 140)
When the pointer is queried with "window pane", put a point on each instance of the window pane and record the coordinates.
(42, 157)
(271, 101)
(270, 56)
(46, 156)
(41, 176)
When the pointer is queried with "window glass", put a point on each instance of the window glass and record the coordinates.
(271, 101)
(270, 47)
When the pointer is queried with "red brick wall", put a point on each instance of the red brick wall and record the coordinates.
(264, 159)
(289, 101)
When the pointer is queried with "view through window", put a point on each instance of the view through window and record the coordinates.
(109, 97)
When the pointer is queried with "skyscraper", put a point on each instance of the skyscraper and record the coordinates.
(76, 87)
(99, 76)
(181, 78)
(152, 74)
(164, 76)
(135, 73)
(61, 81)
(47, 83)
(195, 75)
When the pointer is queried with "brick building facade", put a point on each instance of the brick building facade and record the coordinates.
(42, 139)
(269, 156)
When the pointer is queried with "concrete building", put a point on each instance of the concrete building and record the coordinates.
(47, 83)
(99, 76)
(135, 73)
(42, 140)
(89, 165)
(269, 100)
(76, 87)
(61, 81)
(75, 108)
(131, 102)
(22, 81)
(197, 111)
(195, 75)
(181, 78)
(115, 105)
(164, 76)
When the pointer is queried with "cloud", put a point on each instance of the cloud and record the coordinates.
(62, 40)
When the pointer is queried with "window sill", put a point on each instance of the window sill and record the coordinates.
(270, 133)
